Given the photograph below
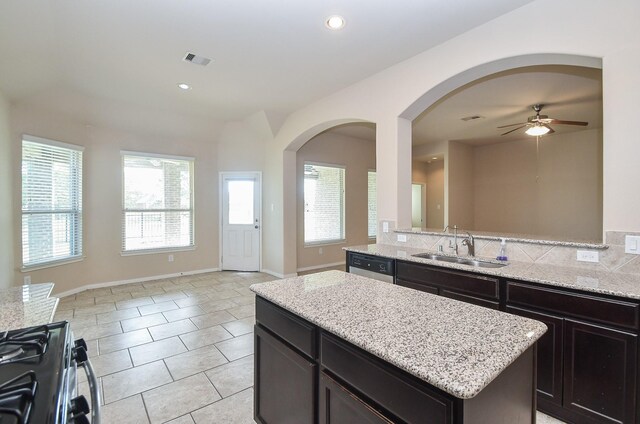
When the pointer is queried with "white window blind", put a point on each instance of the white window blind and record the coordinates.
(323, 203)
(157, 202)
(372, 205)
(51, 201)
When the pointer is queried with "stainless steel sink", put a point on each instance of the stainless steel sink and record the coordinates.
(457, 260)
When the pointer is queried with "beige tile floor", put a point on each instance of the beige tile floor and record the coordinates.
(174, 351)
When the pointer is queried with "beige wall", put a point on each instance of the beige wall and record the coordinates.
(6, 210)
(432, 175)
(555, 193)
(358, 157)
(460, 188)
(103, 201)
(588, 31)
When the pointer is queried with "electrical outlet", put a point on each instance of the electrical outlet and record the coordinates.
(170, 258)
(320, 252)
(385, 227)
(27, 280)
(402, 237)
(588, 256)
(632, 245)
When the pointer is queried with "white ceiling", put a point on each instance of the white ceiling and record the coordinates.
(568, 93)
(267, 55)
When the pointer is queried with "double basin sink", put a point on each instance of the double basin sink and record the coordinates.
(458, 260)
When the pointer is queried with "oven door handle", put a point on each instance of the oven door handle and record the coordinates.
(94, 388)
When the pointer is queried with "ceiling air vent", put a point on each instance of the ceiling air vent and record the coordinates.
(198, 60)
(471, 118)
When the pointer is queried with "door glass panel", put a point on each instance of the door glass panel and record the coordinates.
(240, 202)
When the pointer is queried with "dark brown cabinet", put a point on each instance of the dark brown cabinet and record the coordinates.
(549, 355)
(466, 287)
(587, 362)
(285, 383)
(600, 372)
(339, 405)
(587, 371)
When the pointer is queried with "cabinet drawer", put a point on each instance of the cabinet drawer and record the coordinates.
(591, 308)
(470, 299)
(417, 286)
(459, 281)
(384, 384)
(292, 329)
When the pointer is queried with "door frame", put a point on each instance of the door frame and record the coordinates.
(423, 206)
(239, 174)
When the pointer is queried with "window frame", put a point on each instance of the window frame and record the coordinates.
(375, 236)
(164, 249)
(343, 214)
(78, 210)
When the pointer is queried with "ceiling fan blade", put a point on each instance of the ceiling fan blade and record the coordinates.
(551, 131)
(511, 125)
(561, 122)
(515, 129)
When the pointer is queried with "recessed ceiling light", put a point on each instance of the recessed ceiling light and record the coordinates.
(335, 22)
(434, 158)
(184, 86)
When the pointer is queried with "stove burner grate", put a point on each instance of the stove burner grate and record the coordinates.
(16, 397)
(23, 345)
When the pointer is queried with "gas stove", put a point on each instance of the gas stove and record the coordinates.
(38, 368)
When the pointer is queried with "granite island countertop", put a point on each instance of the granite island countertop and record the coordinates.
(26, 306)
(457, 347)
(603, 282)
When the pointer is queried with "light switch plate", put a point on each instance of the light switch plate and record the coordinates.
(402, 237)
(632, 245)
(385, 227)
(588, 256)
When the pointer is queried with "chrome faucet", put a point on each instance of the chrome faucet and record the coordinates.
(455, 239)
(469, 241)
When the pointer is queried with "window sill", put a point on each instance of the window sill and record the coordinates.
(325, 243)
(156, 251)
(51, 264)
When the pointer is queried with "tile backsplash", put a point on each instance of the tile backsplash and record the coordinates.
(611, 258)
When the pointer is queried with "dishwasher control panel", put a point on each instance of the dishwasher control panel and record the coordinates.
(372, 263)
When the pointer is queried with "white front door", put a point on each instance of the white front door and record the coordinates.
(241, 221)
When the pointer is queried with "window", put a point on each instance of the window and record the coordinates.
(51, 201)
(372, 205)
(323, 204)
(157, 202)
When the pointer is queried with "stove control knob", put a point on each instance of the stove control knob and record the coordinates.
(81, 343)
(80, 419)
(79, 405)
(80, 355)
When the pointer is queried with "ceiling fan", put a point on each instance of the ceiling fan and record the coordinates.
(539, 124)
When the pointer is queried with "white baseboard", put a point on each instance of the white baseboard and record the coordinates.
(311, 268)
(133, 280)
(278, 274)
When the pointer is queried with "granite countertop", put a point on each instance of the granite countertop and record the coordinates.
(455, 346)
(512, 237)
(26, 306)
(603, 282)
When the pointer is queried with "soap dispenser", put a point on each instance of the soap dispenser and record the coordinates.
(502, 256)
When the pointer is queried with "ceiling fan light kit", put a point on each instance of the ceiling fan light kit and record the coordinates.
(537, 130)
(539, 124)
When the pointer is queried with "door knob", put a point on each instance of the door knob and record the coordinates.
(256, 227)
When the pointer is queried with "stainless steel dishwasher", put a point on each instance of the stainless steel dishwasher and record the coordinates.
(375, 267)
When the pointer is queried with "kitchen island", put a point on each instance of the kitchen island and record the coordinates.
(335, 347)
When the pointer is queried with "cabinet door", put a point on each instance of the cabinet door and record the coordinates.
(549, 355)
(338, 405)
(285, 383)
(600, 372)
